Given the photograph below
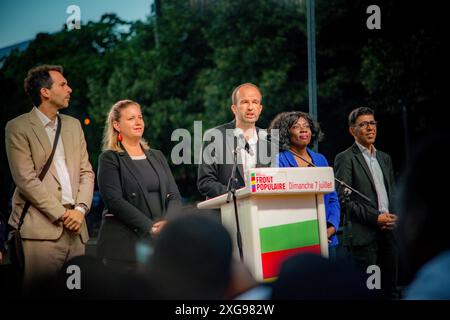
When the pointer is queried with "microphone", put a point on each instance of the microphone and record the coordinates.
(247, 147)
(347, 191)
(241, 139)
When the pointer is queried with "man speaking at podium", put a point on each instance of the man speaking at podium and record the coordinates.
(241, 135)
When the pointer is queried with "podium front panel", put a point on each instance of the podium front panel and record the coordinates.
(286, 230)
(281, 213)
(274, 229)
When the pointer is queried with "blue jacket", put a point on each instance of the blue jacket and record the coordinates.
(332, 207)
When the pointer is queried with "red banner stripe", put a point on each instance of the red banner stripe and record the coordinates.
(272, 261)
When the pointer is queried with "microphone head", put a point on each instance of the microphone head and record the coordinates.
(239, 137)
(248, 149)
(238, 132)
(242, 142)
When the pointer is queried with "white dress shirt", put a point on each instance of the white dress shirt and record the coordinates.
(377, 175)
(59, 160)
(249, 159)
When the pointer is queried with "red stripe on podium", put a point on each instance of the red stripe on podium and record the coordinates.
(271, 261)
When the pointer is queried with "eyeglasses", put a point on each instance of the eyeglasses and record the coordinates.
(365, 124)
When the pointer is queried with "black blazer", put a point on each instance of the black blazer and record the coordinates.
(214, 171)
(126, 198)
(360, 220)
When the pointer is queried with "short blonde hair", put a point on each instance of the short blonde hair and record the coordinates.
(110, 141)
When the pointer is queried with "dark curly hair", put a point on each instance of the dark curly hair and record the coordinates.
(37, 78)
(284, 122)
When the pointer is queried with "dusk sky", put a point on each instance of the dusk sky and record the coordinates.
(21, 20)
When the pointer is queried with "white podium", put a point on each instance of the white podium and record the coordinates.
(281, 213)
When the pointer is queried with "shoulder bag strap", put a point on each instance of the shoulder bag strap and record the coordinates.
(43, 172)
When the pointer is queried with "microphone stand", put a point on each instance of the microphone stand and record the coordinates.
(347, 191)
(231, 188)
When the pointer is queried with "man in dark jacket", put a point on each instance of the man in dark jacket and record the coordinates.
(241, 135)
(368, 224)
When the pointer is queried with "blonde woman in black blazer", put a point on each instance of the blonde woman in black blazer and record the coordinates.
(136, 185)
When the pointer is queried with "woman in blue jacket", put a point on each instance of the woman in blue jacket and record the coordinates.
(296, 131)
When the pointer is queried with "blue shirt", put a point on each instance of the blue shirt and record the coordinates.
(332, 207)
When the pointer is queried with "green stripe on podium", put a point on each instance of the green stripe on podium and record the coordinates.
(289, 236)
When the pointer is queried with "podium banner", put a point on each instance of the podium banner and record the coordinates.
(286, 232)
(281, 213)
(273, 180)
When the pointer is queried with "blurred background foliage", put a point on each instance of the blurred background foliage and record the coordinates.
(206, 48)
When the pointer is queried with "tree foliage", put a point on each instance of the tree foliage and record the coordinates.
(203, 54)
